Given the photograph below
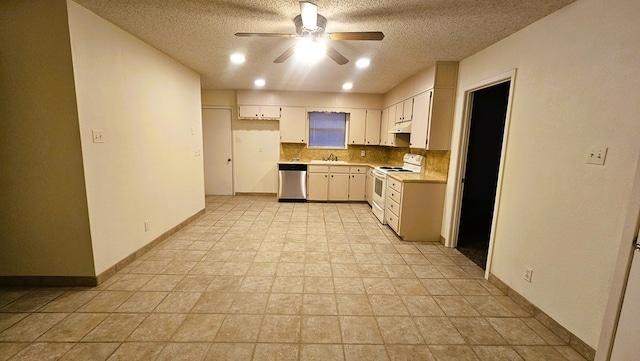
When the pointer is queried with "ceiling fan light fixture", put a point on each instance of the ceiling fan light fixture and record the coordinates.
(259, 82)
(363, 63)
(309, 13)
(347, 86)
(310, 50)
(237, 58)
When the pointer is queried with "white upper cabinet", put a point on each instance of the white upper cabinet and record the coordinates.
(384, 125)
(357, 126)
(293, 125)
(420, 122)
(407, 109)
(441, 119)
(403, 111)
(259, 112)
(398, 112)
(372, 126)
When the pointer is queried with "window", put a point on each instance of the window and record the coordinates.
(327, 130)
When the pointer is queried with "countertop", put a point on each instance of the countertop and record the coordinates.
(426, 177)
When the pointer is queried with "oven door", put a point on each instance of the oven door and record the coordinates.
(379, 194)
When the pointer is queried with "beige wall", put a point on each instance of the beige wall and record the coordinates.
(150, 165)
(310, 99)
(255, 146)
(578, 76)
(44, 222)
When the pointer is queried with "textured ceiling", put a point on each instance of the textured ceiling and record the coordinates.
(200, 34)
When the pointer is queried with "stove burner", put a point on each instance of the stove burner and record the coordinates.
(387, 167)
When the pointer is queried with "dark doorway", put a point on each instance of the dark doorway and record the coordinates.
(484, 150)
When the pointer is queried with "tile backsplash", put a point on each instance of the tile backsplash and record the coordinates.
(437, 160)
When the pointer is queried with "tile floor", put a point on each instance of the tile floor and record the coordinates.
(254, 279)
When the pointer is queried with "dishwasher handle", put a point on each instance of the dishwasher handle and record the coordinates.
(292, 166)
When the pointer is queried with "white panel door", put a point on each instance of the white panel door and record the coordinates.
(216, 144)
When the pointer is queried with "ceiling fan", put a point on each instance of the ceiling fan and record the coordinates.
(310, 27)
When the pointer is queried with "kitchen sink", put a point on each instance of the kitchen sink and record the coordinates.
(318, 161)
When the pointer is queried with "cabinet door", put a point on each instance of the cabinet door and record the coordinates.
(339, 187)
(398, 112)
(357, 187)
(391, 137)
(270, 112)
(441, 119)
(368, 192)
(317, 186)
(293, 125)
(249, 112)
(407, 110)
(357, 119)
(372, 127)
(384, 123)
(420, 122)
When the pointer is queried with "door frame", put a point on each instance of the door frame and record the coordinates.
(233, 145)
(461, 161)
(621, 272)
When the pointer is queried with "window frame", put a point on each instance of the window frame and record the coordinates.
(346, 129)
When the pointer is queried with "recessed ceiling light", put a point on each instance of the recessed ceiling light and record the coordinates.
(363, 63)
(347, 86)
(237, 58)
(259, 82)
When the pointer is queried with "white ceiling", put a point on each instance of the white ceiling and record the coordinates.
(200, 34)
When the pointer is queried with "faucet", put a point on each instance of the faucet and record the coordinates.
(331, 157)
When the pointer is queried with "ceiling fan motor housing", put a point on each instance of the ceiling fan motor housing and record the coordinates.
(302, 31)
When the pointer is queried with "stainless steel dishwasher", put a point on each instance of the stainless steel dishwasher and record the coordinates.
(292, 182)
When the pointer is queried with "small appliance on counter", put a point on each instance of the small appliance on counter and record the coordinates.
(292, 182)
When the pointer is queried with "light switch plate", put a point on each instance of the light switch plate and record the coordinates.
(597, 156)
(98, 136)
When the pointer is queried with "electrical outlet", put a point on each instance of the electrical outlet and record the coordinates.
(146, 226)
(597, 156)
(528, 274)
(98, 136)
(362, 153)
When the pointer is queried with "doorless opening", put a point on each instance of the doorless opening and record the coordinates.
(480, 179)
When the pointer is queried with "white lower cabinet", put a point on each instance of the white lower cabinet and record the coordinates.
(317, 183)
(336, 183)
(414, 210)
(339, 183)
(368, 193)
(357, 183)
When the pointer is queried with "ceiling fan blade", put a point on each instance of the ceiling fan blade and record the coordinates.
(357, 35)
(265, 35)
(336, 56)
(286, 55)
(309, 14)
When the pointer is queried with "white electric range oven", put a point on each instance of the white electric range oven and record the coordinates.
(412, 163)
